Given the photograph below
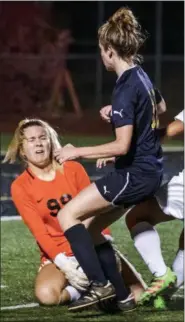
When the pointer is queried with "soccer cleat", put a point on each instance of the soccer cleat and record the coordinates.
(163, 285)
(160, 303)
(113, 305)
(127, 305)
(95, 294)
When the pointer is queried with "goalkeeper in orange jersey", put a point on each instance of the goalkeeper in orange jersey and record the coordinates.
(39, 193)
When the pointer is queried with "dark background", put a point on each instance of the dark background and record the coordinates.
(81, 17)
(40, 40)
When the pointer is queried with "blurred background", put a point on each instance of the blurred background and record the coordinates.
(50, 65)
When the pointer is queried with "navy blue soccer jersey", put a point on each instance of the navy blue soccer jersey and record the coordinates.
(134, 103)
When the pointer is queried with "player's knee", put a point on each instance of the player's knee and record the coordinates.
(132, 220)
(47, 295)
(133, 217)
(65, 218)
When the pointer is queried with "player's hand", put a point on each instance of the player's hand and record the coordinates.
(72, 271)
(103, 161)
(105, 113)
(65, 153)
(76, 276)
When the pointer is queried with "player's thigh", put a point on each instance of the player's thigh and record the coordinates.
(149, 211)
(96, 224)
(87, 203)
(170, 197)
(50, 278)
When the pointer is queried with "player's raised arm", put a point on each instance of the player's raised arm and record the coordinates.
(119, 146)
(123, 116)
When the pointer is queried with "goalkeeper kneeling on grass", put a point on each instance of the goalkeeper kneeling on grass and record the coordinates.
(39, 193)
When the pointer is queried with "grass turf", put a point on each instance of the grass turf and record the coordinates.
(20, 261)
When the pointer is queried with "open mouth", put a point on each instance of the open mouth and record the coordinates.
(39, 152)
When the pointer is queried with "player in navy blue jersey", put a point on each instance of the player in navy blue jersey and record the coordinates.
(138, 167)
(106, 113)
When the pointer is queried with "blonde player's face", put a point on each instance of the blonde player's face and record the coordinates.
(36, 146)
(106, 56)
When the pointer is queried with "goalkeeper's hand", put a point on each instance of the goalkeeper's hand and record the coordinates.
(72, 271)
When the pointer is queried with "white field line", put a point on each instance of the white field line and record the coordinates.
(167, 148)
(21, 306)
(3, 286)
(30, 305)
(9, 218)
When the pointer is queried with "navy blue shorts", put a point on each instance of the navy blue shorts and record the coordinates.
(128, 188)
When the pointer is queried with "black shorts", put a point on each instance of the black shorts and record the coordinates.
(128, 188)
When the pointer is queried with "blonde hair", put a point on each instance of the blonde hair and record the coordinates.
(123, 33)
(14, 149)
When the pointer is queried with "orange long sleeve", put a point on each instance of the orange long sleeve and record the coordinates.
(27, 209)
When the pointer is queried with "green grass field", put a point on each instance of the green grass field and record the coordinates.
(20, 262)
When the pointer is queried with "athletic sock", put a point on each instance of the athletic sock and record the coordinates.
(73, 292)
(84, 251)
(108, 263)
(178, 267)
(147, 243)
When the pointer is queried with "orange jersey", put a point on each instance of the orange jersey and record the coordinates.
(39, 201)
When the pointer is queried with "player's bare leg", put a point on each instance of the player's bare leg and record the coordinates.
(87, 204)
(51, 287)
(146, 211)
(132, 278)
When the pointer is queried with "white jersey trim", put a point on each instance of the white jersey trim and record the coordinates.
(126, 184)
(180, 116)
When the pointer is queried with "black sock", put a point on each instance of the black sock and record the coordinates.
(84, 251)
(108, 263)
